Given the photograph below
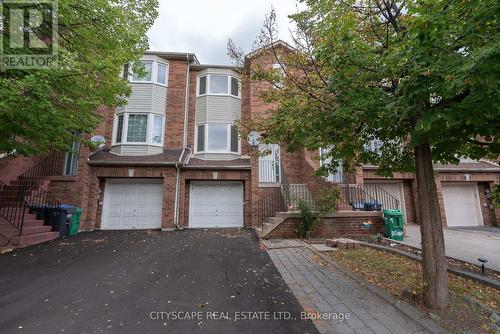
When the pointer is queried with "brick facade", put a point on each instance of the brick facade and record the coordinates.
(485, 182)
(86, 189)
(333, 226)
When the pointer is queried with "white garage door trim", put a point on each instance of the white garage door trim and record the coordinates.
(399, 194)
(216, 204)
(130, 204)
(461, 204)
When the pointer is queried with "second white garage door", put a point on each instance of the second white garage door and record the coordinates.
(379, 190)
(216, 204)
(461, 204)
(132, 204)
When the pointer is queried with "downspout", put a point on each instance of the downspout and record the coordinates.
(184, 148)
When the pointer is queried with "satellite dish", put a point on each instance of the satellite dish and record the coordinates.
(254, 138)
(98, 140)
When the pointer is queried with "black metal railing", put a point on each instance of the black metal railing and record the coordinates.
(12, 207)
(293, 194)
(368, 197)
(27, 191)
(269, 205)
(51, 165)
(15, 203)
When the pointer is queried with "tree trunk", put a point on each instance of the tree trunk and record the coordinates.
(431, 229)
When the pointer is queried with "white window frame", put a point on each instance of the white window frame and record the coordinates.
(371, 147)
(207, 90)
(339, 175)
(228, 139)
(149, 129)
(154, 73)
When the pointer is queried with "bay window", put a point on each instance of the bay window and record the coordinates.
(219, 84)
(217, 138)
(155, 72)
(135, 128)
(148, 68)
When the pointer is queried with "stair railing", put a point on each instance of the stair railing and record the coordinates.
(269, 205)
(363, 197)
(27, 193)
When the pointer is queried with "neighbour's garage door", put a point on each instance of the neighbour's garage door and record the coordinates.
(461, 204)
(382, 190)
(216, 204)
(131, 204)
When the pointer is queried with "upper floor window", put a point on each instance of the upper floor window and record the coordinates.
(281, 72)
(154, 71)
(217, 138)
(375, 146)
(218, 84)
(70, 167)
(325, 159)
(135, 128)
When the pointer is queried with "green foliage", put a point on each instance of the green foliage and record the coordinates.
(40, 109)
(496, 196)
(307, 221)
(327, 199)
(423, 72)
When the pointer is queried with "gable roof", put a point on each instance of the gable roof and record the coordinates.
(274, 44)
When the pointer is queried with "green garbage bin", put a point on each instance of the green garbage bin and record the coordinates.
(394, 224)
(75, 222)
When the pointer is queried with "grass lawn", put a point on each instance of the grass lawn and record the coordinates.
(402, 277)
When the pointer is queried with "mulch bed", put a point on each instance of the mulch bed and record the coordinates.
(402, 277)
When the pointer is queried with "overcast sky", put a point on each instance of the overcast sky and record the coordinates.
(203, 26)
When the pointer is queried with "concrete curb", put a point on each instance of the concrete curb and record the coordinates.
(409, 310)
(475, 277)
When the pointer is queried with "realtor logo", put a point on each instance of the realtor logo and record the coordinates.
(28, 34)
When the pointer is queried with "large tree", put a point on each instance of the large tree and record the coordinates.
(41, 110)
(421, 76)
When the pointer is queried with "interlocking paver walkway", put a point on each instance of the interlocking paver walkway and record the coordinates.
(332, 294)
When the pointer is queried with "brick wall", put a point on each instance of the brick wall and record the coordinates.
(332, 226)
(174, 126)
(11, 167)
(491, 217)
(487, 209)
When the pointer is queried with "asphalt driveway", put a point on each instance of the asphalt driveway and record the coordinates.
(465, 243)
(193, 281)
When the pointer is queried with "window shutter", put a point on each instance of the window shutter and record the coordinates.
(234, 138)
(201, 138)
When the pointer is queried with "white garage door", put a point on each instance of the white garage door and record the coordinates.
(461, 204)
(132, 204)
(216, 204)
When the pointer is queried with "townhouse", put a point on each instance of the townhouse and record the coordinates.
(173, 158)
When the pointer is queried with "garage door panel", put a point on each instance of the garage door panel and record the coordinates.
(132, 205)
(461, 204)
(216, 205)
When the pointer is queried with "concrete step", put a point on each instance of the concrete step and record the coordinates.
(13, 214)
(34, 239)
(36, 229)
